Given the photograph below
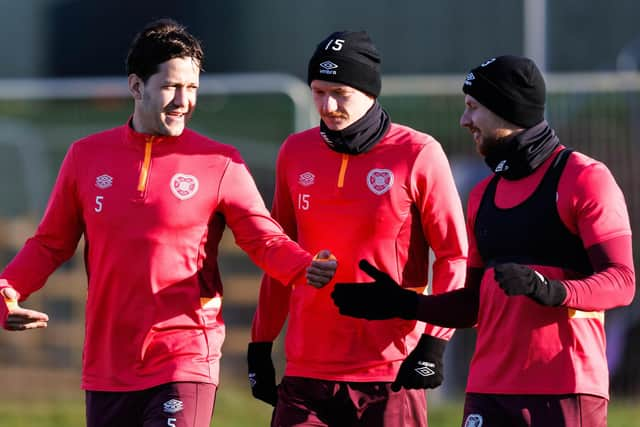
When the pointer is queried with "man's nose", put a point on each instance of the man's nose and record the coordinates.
(464, 120)
(181, 98)
(329, 104)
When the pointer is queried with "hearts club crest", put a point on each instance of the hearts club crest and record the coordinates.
(379, 181)
(184, 186)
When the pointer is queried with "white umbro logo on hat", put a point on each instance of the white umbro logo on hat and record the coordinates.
(470, 77)
(328, 65)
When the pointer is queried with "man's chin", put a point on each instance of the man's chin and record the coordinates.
(335, 124)
(175, 129)
(176, 132)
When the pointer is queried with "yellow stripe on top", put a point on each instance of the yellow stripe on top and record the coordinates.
(144, 172)
(579, 314)
(208, 302)
(343, 170)
(11, 303)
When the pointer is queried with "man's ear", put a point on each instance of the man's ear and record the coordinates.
(136, 87)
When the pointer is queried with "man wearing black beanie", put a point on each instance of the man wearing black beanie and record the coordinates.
(369, 189)
(510, 86)
(550, 251)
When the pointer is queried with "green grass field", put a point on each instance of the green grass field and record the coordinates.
(236, 408)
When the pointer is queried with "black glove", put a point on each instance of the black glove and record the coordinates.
(423, 366)
(517, 279)
(262, 374)
(379, 300)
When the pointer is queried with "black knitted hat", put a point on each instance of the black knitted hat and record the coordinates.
(347, 57)
(510, 86)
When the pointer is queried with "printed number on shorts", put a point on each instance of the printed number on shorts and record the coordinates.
(98, 207)
(171, 422)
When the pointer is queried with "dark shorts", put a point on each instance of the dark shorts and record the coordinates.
(167, 405)
(568, 410)
(311, 402)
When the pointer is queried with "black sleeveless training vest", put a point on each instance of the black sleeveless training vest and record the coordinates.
(531, 232)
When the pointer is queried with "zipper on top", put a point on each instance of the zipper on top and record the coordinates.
(343, 170)
(146, 163)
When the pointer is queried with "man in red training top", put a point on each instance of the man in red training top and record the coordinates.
(550, 251)
(367, 188)
(151, 199)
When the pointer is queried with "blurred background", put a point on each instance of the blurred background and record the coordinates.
(62, 77)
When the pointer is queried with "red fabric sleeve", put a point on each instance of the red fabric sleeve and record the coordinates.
(55, 239)
(612, 284)
(255, 231)
(272, 310)
(590, 202)
(273, 301)
(593, 206)
(443, 223)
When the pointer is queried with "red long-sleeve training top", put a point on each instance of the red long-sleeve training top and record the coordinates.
(389, 205)
(152, 211)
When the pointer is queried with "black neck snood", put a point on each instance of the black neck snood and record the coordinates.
(361, 135)
(519, 156)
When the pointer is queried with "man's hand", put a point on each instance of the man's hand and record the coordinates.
(262, 374)
(322, 269)
(423, 366)
(378, 300)
(517, 279)
(16, 318)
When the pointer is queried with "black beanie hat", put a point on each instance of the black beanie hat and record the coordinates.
(510, 86)
(347, 57)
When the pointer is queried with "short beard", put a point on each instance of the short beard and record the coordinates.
(489, 145)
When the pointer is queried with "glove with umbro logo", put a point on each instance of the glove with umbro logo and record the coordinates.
(423, 367)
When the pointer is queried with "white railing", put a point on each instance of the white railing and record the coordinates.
(296, 90)
(448, 84)
(219, 84)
